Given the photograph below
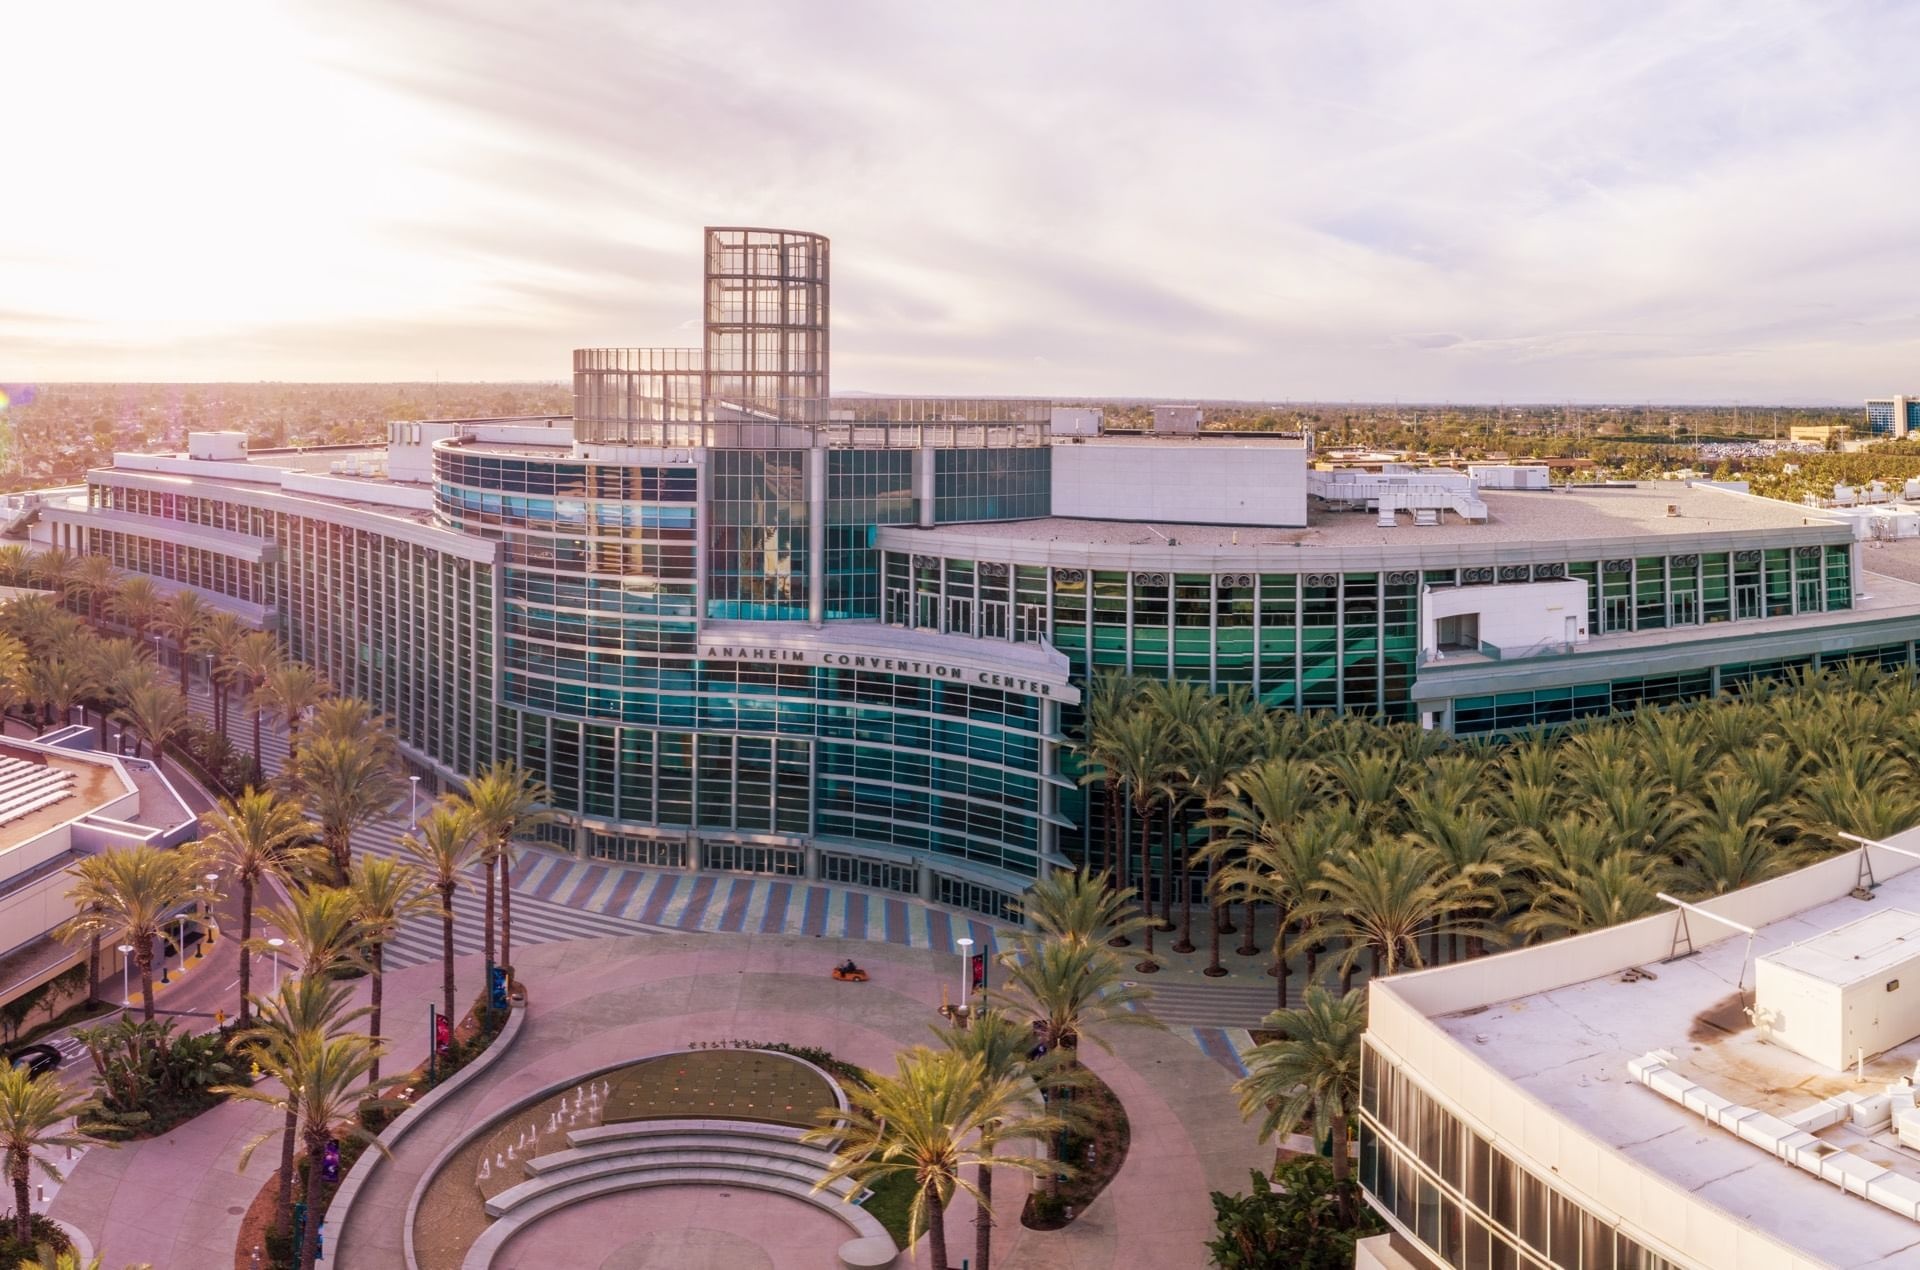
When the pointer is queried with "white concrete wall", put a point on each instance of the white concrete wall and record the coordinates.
(1076, 421)
(410, 449)
(1198, 483)
(1802, 1013)
(1514, 616)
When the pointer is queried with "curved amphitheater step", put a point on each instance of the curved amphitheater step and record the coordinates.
(606, 1159)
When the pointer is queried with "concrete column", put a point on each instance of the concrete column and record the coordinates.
(923, 484)
(816, 536)
(693, 852)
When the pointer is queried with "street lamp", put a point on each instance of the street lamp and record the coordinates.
(276, 943)
(206, 918)
(126, 986)
(413, 806)
(966, 969)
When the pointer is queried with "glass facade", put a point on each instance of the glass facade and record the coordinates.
(1880, 418)
(999, 484)
(757, 540)
(1468, 1202)
(865, 488)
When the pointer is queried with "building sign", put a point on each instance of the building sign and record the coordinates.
(835, 659)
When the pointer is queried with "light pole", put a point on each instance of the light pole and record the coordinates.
(126, 965)
(413, 805)
(966, 969)
(276, 943)
(206, 919)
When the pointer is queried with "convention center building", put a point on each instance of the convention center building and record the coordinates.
(737, 623)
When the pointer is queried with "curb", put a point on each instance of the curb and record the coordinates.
(363, 1168)
(547, 1091)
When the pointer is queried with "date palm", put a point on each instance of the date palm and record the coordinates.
(1283, 866)
(1309, 1074)
(347, 784)
(96, 579)
(1571, 901)
(1070, 991)
(1382, 896)
(322, 929)
(254, 659)
(118, 666)
(1111, 697)
(1181, 706)
(58, 682)
(507, 804)
(258, 835)
(1141, 756)
(925, 1122)
(156, 714)
(287, 693)
(218, 638)
(32, 1113)
(131, 892)
(135, 604)
(180, 619)
(1069, 905)
(15, 676)
(442, 846)
(54, 570)
(1215, 750)
(305, 1008)
(1261, 802)
(385, 893)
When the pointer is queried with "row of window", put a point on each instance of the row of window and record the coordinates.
(195, 566)
(565, 479)
(1471, 1203)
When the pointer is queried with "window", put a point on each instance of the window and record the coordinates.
(1458, 633)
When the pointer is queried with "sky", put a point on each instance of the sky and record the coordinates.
(1306, 200)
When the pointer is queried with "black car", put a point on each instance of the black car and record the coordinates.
(37, 1059)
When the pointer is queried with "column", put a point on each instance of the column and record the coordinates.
(923, 460)
(817, 536)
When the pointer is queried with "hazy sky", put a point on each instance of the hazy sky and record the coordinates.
(1341, 200)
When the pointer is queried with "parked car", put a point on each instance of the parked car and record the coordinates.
(37, 1059)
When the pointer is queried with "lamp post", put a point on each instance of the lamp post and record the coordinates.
(966, 969)
(413, 804)
(276, 943)
(206, 918)
(126, 985)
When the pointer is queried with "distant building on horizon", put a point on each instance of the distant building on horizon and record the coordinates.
(1892, 417)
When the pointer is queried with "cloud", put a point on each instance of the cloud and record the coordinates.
(1312, 201)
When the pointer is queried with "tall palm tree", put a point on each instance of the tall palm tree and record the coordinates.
(1311, 1073)
(254, 659)
(59, 682)
(508, 804)
(924, 1121)
(1181, 705)
(42, 625)
(1001, 1046)
(1070, 991)
(32, 1112)
(1261, 802)
(443, 845)
(218, 639)
(54, 570)
(1111, 696)
(96, 579)
(156, 714)
(347, 784)
(1283, 865)
(135, 604)
(258, 835)
(181, 619)
(1215, 750)
(15, 674)
(288, 692)
(16, 563)
(1069, 905)
(1141, 757)
(329, 1096)
(118, 666)
(322, 929)
(131, 892)
(385, 892)
(305, 1008)
(1382, 896)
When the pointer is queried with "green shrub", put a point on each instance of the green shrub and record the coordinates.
(1302, 1220)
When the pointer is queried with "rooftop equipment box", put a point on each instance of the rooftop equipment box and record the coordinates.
(1177, 420)
(220, 446)
(1852, 992)
(1509, 475)
(1076, 421)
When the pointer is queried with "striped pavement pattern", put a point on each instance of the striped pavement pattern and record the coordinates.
(1225, 1045)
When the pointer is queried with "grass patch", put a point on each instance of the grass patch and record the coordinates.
(891, 1204)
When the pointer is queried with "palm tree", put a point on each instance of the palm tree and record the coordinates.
(385, 893)
(1571, 901)
(254, 659)
(260, 834)
(135, 604)
(442, 845)
(155, 713)
(508, 804)
(1311, 1073)
(322, 928)
(1069, 905)
(180, 619)
(131, 892)
(1001, 1046)
(288, 692)
(45, 1258)
(347, 784)
(15, 674)
(1070, 991)
(1381, 897)
(59, 682)
(96, 579)
(1283, 865)
(219, 638)
(1111, 697)
(16, 563)
(305, 1008)
(118, 666)
(1215, 751)
(1141, 756)
(1262, 801)
(54, 570)
(1181, 706)
(31, 1113)
(925, 1122)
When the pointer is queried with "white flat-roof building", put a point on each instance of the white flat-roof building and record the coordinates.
(1599, 1103)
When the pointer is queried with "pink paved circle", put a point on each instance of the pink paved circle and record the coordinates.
(680, 1228)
